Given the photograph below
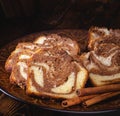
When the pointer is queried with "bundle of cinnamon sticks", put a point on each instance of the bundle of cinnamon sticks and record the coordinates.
(92, 95)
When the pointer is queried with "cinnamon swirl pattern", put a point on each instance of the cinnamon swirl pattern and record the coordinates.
(102, 35)
(103, 59)
(48, 66)
(17, 63)
(56, 74)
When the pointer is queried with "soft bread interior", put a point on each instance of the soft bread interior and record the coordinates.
(40, 40)
(99, 80)
(62, 91)
(67, 86)
(19, 74)
(56, 75)
(96, 34)
(54, 40)
(22, 51)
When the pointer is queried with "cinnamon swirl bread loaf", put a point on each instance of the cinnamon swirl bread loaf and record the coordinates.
(53, 66)
(54, 73)
(103, 59)
(59, 55)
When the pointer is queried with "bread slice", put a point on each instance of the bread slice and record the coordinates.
(103, 64)
(54, 40)
(17, 63)
(54, 73)
(19, 74)
(99, 35)
(22, 51)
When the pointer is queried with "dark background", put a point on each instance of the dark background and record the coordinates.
(21, 17)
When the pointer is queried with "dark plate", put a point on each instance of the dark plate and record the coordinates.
(20, 95)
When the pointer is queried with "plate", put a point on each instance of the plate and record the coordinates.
(20, 95)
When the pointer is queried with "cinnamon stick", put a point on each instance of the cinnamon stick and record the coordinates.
(98, 90)
(76, 100)
(99, 98)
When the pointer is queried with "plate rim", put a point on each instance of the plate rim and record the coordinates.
(58, 110)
